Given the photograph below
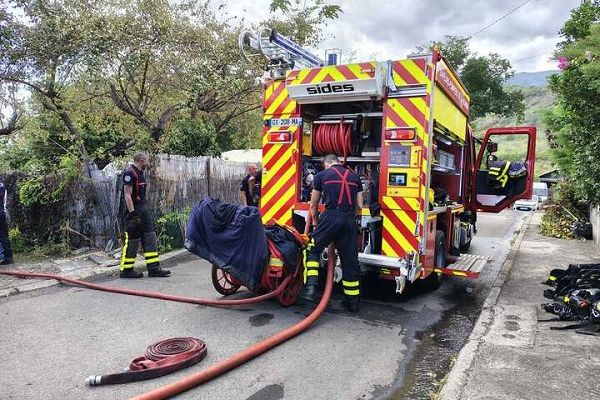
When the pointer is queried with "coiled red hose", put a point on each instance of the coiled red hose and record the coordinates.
(333, 138)
(161, 358)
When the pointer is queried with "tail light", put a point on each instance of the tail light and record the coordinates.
(280, 137)
(400, 134)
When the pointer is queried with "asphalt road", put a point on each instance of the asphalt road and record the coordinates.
(54, 338)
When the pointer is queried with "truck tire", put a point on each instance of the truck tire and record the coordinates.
(464, 246)
(434, 280)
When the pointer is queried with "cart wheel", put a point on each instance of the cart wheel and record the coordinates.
(293, 289)
(224, 282)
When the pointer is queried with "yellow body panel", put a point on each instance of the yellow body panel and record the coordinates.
(448, 115)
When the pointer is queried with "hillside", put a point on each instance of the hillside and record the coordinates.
(529, 79)
(536, 100)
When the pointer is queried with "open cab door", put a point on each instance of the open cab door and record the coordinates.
(504, 167)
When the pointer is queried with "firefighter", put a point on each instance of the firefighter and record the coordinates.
(250, 188)
(342, 192)
(139, 226)
(5, 250)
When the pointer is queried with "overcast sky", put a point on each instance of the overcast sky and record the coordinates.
(391, 29)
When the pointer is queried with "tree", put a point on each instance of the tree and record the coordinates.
(575, 120)
(302, 20)
(176, 58)
(43, 43)
(11, 111)
(455, 49)
(484, 77)
(578, 26)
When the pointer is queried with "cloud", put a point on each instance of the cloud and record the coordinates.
(393, 29)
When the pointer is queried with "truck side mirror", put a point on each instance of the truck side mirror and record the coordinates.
(492, 147)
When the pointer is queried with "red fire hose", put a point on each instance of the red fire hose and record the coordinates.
(249, 353)
(161, 358)
(152, 295)
(227, 364)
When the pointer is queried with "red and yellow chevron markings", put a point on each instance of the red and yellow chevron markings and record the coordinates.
(280, 177)
(399, 225)
(410, 72)
(276, 99)
(401, 235)
(332, 73)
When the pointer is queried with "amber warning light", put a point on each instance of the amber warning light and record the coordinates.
(400, 134)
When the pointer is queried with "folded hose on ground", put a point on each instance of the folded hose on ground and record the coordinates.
(161, 358)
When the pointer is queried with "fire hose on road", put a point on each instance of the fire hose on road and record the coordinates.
(220, 367)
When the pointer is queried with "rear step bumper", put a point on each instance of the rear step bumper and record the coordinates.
(381, 261)
(466, 266)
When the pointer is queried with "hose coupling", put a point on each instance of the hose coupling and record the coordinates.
(94, 380)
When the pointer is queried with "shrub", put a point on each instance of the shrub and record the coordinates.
(564, 209)
(18, 243)
(170, 230)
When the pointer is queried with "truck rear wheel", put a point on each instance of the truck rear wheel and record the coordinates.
(464, 243)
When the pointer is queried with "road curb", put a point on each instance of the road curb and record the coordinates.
(456, 379)
(101, 271)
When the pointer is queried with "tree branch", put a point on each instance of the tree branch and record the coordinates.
(23, 82)
(12, 126)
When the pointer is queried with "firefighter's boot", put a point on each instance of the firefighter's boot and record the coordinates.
(128, 255)
(351, 295)
(151, 256)
(311, 273)
(159, 273)
(131, 273)
(352, 303)
(309, 293)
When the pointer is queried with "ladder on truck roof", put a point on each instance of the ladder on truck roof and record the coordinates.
(280, 51)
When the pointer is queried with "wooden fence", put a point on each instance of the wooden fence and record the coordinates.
(93, 207)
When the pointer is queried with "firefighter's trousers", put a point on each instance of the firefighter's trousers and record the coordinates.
(140, 230)
(4, 241)
(340, 228)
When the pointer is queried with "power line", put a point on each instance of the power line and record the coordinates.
(530, 57)
(499, 19)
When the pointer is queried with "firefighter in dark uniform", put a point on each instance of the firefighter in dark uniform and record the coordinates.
(139, 226)
(342, 191)
(250, 187)
(6, 253)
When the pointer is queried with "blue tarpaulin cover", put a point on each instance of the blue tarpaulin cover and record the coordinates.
(230, 236)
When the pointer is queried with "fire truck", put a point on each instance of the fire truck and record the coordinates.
(403, 127)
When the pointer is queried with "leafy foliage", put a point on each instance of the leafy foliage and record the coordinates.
(575, 121)
(563, 209)
(170, 229)
(192, 138)
(18, 243)
(484, 77)
(302, 20)
(33, 192)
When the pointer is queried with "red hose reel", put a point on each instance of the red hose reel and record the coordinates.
(333, 138)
